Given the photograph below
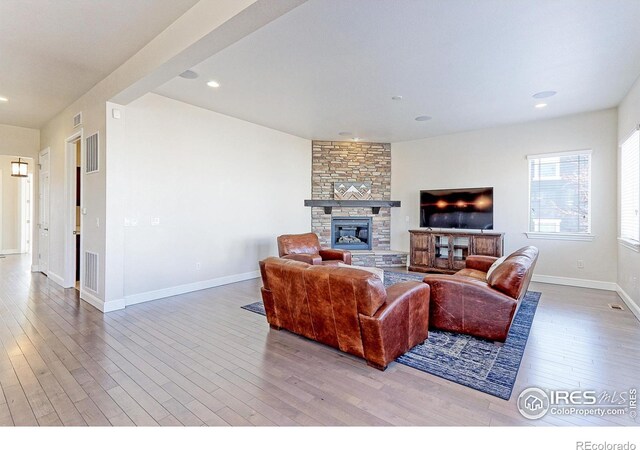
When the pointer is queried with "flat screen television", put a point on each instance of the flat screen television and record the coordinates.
(457, 208)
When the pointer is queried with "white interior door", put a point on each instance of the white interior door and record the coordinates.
(43, 226)
(25, 215)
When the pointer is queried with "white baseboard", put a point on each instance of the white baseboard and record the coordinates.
(57, 279)
(10, 251)
(100, 304)
(577, 282)
(113, 305)
(185, 288)
(633, 306)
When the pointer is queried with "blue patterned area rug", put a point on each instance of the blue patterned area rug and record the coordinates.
(466, 360)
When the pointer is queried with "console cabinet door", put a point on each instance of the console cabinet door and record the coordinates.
(487, 245)
(421, 249)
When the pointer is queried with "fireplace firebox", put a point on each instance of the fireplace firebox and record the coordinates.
(351, 233)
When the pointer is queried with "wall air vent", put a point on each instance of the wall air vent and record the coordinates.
(92, 154)
(77, 120)
(616, 306)
(91, 271)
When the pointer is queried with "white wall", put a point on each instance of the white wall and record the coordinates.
(191, 38)
(497, 157)
(222, 189)
(629, 260)
(19, 141)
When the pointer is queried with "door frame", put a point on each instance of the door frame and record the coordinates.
(69, 271)
(42, 152)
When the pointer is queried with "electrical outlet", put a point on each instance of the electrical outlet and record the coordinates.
(134, 222)
(155, 221)
(580, 264)
(198, 266)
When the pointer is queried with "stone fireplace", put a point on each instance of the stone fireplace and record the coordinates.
(356, 162)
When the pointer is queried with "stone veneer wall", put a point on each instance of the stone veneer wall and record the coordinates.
(355, 162)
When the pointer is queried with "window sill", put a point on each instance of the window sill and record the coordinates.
(633, 245)
(561, 236)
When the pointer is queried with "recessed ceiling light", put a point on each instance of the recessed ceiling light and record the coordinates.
(4, 99)
(345, 133)
(544, 94)
(213, 84)
(541, 105)
(423, 118)
(189, 75)
(396, 97)
(355, 139)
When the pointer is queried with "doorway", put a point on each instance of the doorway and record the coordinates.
(78, 211)
(73, 226)
(26, 214)
(15, 204)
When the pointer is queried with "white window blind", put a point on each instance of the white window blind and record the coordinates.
(630, 188)
(560, 193)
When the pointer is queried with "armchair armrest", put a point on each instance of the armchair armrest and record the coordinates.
(469, 306)
(479, 262)
(313, 259)
(399, 324)
(335, 254)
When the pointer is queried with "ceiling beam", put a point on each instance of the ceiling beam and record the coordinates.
(203, 31)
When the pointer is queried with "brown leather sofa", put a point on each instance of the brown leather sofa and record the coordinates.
(345, 308)
(471, 302)
(306, 248)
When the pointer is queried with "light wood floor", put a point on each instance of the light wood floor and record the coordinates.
(199, 359)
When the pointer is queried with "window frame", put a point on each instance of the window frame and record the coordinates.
(633, 244)
(577, 236)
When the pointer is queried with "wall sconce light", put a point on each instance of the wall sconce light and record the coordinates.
(19, 168)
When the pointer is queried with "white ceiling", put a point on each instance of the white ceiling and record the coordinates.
(333, 65)
(52, 52)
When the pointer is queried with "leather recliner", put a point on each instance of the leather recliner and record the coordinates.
(470, 302)
(306, 248)
(345, 308)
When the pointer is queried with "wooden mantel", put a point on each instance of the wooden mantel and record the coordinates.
(375, 205)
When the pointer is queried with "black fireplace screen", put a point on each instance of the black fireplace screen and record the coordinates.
(351, 233)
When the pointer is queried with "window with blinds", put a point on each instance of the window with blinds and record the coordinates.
(560, 193)
(630, 189)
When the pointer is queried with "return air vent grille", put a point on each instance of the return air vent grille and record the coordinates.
(91, 271)
(77, 120)
(92, 156)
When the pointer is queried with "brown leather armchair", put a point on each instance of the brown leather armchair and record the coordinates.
(472, 302)
(306, 248)
(345, 308)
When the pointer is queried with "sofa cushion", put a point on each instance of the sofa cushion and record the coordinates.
(365, 288)
(495, 264)
(512, 276)
(472, 273)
